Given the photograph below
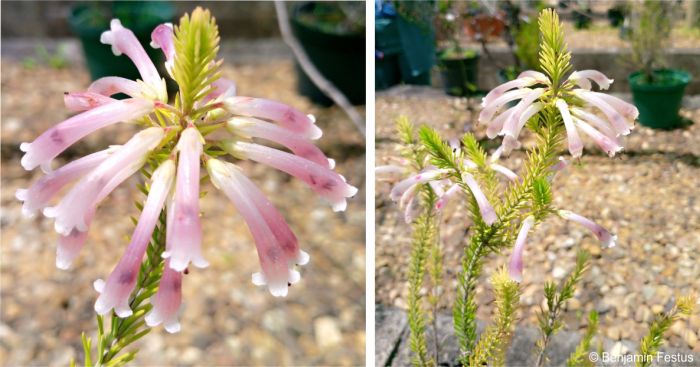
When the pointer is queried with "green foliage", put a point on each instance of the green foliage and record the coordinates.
(651, 29)
(527, 45)
(196, 44)
(556, 297)
(579, 357)
(492, 346)
(554, 55)
(541, 197)
(650, 344)
(442, 155)
(423, 237)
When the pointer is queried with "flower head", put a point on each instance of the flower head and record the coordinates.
(571, 102)
(175, 141)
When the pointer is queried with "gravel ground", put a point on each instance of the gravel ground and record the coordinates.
(226, 319)
(648, 195)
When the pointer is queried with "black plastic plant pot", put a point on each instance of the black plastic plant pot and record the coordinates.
(339, 57)
(659, 102)
(459, 74)
(88, 21)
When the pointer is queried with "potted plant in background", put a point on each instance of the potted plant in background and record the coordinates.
(333, 36)
(405, 43)
(657, 92)
(89, 20)
(458, 65)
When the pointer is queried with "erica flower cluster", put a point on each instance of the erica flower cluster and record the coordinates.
(573, 99)
(175, 142)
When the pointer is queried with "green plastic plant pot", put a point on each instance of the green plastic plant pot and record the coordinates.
(459, 75)
(339, 57)
(88, 21)
(659, 102)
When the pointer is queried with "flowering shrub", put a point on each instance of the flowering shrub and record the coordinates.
(555, 104)
(205, 122)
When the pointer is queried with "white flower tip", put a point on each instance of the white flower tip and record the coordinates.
(172, 327)
(46, 167)
(294, 277)
(153, 44)
(63, 263)
(178, 264)
(165, 254)
(340, 205)
(278, 289)
(312, 118)
(611, 242)
(122, 311)
(25, 147)
(302, 258)
(351, 191)
(258, 279)
(21, 194)
(101, 307)
(517, 277)
(99, 286)
(153, 318)
(315, 132)
(27, 212)
(331, 163)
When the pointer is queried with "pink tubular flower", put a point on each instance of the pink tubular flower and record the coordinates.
(288, 117)
(572, 137)
(515, 265)
(322, 180)
(278, 250)
(253, 128)
(78, 102)
(111, 85)
(167, 301)
(114, 293)
(427, 175)
(509, 123)
(187, 231)
(55, 140)
(618, 121)
(124, 41)
(162, 37)
(488, 214)
(37, 196)
(522, 81)
(583, 79)
(445, 198)
(222, 89)
(71, 211)
(606, 238)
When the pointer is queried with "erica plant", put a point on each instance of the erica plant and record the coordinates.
(555, 105)
(182, 136)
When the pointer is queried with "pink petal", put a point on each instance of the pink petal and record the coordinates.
(222, 88)
(628, 110)
(616, 119)
(488, 214)
(56, 139)
(187, 227)
(275, 260)
(582, 79)
(445, 198)
(490, 109)
(41, 192)
(606, 238)
(251, 127)
(73, 209)
(423, 177)
(162, 37)
(288, 117)
(77, 101)
(499, 90)
(504, 171)
(573, 139)
(124, 41)
(515, 265)
(122, 280)
(596, 121)
(322, 180)
(111, 85)
(167, 300)
(495, 127)
(608, 145)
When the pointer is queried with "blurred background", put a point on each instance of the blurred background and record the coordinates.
(52, 47)
(434, 62)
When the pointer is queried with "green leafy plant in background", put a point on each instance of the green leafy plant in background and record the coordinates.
(650, 33)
